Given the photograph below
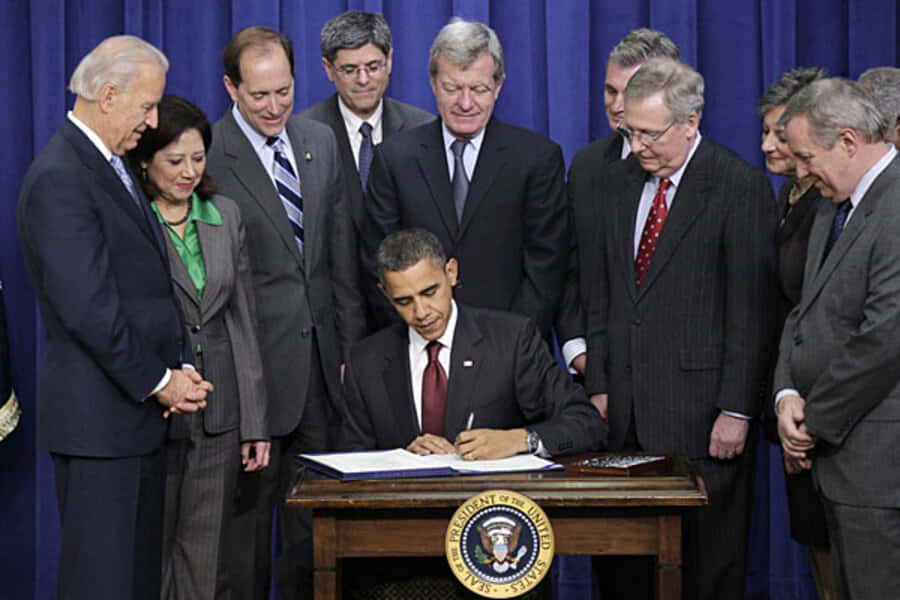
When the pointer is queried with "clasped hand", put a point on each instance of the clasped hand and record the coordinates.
(184, 393)
(796, 440)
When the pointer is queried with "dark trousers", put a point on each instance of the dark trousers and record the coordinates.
(865, 541)
(112, 520)
(262, 493)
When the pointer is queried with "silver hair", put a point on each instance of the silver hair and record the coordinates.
(462, 42)
(405, 248)
(831, 105)
(788, 84)
(116, 60)
(354, 29)
(682, 87)
(640, 45)
(883, 83)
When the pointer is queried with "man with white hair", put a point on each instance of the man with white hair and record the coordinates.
(883, 83)
(115, 351)
(837, 380)
(680, 314)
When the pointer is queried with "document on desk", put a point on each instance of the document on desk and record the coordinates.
(385, 464)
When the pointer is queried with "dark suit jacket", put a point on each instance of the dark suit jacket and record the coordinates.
(513, 382)
(223, 324)
(839, 348)
(113, 325)
(293, 296)
(694, 338)
(512, 242)
(583, 218)
(396, 117)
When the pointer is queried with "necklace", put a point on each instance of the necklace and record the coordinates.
(183, 219)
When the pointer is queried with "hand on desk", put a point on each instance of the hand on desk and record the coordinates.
(489, 444)
(184, 393)
(429, 443)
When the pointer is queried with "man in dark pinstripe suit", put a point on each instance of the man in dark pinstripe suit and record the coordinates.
(680, 312)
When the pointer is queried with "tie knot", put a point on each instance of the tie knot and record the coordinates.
(458, 147)
(365, 129)
(273, 141)
(433, 348)
(844, 207)
(664, 185)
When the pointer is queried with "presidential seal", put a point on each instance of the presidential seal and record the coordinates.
(499, 544)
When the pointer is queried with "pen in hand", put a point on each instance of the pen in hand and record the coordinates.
(471, 421)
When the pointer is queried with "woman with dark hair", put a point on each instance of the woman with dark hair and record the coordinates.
(797, 203)
(211, 274)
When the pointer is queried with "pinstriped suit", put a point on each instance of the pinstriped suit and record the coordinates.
(693, 339)
(204, 449)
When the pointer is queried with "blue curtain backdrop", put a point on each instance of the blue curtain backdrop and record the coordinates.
(555, 53)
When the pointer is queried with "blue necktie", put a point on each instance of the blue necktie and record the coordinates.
(288, 189)
(118, 166)
(837, 225)
(366, 149)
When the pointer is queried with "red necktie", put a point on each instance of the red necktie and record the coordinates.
(434, 392)
(652, 229)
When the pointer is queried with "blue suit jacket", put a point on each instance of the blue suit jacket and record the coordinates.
(102, 283)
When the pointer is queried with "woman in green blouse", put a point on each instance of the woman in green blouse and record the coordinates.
(211, 277)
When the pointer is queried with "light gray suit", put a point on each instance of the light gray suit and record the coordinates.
(204, 448)
(840, 349)
(301, 303)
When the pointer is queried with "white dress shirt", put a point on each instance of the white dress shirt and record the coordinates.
(470, 154)
(352, 122)
(265, 152)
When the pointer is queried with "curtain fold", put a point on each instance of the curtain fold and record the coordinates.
(555, 54)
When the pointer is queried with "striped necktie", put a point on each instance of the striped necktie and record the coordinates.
(288, 189)
(366, 150)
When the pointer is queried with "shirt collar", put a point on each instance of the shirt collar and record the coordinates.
(626, 148)
(418, 342)
(868, 178)
(91, 135)
(449, 139)
(352, 121)
(675, 177)
(256, 139)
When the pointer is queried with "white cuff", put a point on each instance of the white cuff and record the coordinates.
(571, 349)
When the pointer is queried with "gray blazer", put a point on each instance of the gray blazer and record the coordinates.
(297, 299)
(223, 324)
(840, 348)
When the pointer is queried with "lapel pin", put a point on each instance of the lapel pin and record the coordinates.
(468, 363)
(307, 156)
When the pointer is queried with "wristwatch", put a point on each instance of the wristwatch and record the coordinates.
(534, 441)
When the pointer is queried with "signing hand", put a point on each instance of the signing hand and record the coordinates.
(429, 443)
(255, 455)
(488, 444)
(728, 436)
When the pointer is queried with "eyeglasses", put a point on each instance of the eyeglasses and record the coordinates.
(352, 71)
(647, 138)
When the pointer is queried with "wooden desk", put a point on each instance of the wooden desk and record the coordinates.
(408, 517)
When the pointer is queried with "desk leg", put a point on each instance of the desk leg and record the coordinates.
(326, 581)
(668, 563)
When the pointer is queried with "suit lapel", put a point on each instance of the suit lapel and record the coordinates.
(433, 164)
(688, 203)
(180, 274)
(308, 161)
(214, 248)
(254, 176)
(465, 366)
(491, 160)
(626, 213)
(398, 383)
